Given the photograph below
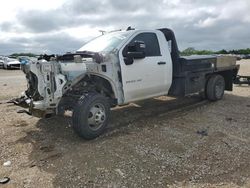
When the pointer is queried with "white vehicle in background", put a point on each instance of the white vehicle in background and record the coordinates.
(11, 63)
(1, 61)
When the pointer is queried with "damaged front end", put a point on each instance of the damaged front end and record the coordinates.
(49, 78)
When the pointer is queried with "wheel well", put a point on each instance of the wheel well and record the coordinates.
(93, 83)
(228, 76)
(103, 86)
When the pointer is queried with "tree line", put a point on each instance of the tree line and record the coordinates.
(15, 55)
(186, 52)
(193, 51)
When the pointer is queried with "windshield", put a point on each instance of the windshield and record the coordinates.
(105, 43)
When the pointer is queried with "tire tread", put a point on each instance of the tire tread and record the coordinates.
(80, 111)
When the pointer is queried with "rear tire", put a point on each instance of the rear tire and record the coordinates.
(91, 115)
(215, 88)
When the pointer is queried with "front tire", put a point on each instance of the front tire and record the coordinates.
(215, 88)
(91, 115)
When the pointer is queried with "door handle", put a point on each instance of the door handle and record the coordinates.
(161, 63)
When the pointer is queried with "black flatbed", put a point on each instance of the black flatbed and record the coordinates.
(190, 73)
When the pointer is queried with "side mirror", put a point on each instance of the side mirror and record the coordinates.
(135, 50)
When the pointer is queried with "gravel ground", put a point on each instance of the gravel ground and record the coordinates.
(154, 143)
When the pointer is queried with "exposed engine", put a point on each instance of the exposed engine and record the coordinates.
(49, 79)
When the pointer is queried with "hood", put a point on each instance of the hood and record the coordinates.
(13, 62)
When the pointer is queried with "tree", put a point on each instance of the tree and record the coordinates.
(188, 51)
(222, 52)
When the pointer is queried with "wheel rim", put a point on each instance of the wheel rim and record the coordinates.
(97, 116)
(219, 88)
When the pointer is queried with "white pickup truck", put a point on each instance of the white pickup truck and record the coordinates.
(118, 68)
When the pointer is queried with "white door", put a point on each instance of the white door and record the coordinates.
(150, 76)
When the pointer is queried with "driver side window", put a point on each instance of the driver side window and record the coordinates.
(151, 42)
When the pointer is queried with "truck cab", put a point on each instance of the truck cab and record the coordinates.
(119, 68)
(150, 74)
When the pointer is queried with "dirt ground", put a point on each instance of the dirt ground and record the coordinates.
(155, 143)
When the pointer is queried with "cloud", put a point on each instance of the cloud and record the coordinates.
(78, 7)
(54, 43)
(42, 21)
(57, 43)
(213, 24)
(6, 26)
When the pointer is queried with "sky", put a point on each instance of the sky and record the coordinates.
(59, 26)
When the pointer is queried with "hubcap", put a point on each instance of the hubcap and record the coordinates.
(97, 116)
(219, 88)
